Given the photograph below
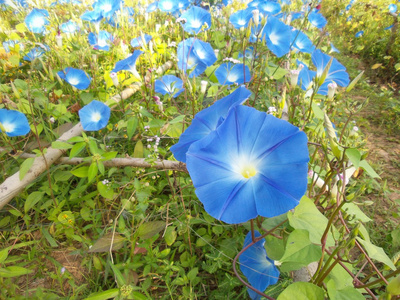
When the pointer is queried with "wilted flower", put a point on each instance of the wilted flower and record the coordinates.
(94, 116)
(75, 77)
(251, 164)
(13, 123)
(258, 268)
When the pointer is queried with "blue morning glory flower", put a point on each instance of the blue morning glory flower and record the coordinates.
(258, 268)
(389, 27)
(302, 42)
(168, 5)
(277, 35)
(36, 20)
(34, 53)
(101, 40)
(336, 73)
(10, 44)
(107, 7)
(94, 16)
(69, 27)
(229, 73)
(208, 120)
(248, 53)
(183, 4)
(297, 15)
(152, 7)
(193, 53)
(348, 7)
(75, 77)
(94, 116)
(334, 49)
(196, 18)
(306, 77)
(268, 7)
(393, 8)
(138, 42)
(169, 84)
(317, 20)
(128, 64)
(252, 164)
(349, 18)
(360, 33)
(13, 123)
(241, 18)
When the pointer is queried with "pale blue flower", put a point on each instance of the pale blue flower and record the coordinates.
(13, 122)
(169, 84)
(94, 116)
(75, 77)
(36, 20)
(230, 73)
(196, 20)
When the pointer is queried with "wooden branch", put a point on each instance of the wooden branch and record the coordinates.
(118, 162)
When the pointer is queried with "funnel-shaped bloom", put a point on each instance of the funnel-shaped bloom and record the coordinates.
(229, 73)
(252, 164)
(306, 77)
(75, 77)
(359, 34)
(168, 5)
(249, 54)
(100, 41)
(94, 116)
(69, 27)
(107, 7)
(36, 20)
(317, 20)
(128, 64)
(94, 16)
(196, 18)
(258, 268)
(337, 72)
(169, 84)
(14, 123)
(393, 8)
(193, 53)
(334, 49)
(277, 36)
(208, 120)
(301, 42)
(34, 53)
(241, 18)
(138, 42)
(268, 7)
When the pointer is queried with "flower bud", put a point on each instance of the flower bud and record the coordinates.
(294, 77)
(114, 78)
(203, 86)
(332, 90)
(256, 17)
(59, 40)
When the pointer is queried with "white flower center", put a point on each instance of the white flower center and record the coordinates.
(38, 22)
(274, 38)
(106, 7)
(196, 23)
(96, 117)
(167, 5)
(242, 22)
(8, 127)
(201, 54)
(73, 81)
(232, 77)
(102, 43)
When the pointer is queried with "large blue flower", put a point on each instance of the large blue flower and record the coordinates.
(75, 77)
(306, 77)
(393, 8)
(301, 42)
(169, 84)
(229, 73)
(37, 20)
(69, 27)
(107, 7)
(268, 7)
(317, 20)
(277, 36)
(196, 18)
(94, 16)
(337, 72)
(100, 41)
(94, 116)
(241, 18)
(193, 53)
(252, 164)
(34, 53)
(258, 268)
(168, 5)
(13, 123)
(128, 64)
(208, 120)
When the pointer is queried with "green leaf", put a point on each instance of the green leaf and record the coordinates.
(61, 145)
(105, 191)
(354, 155)
(210, 72)
(393, 287)
(131, 126)
(354, 82)
(317, 111)
(371, 172)
(14, 271)
(118, 275)
(92, 172)
(347, 293)
(32, 199)
(307, 216)
(81, 172)
(3, 255)
(193, 274)
(138, 151)
(112, 293)
(21, 27)
(62, 175)
(302, 291)
(25, 166)
(299, 251)
(174, 130)
(376, 253)
(353, 209)
(149, 229)
(49, 238)
(104, 243)
(78, 147)
(170, 235)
